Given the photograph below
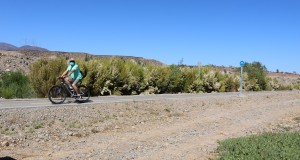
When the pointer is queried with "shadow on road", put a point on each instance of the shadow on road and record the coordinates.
(6, 158)
(83, 101)
(77, 101)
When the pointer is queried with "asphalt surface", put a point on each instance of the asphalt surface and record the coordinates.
(44, 102)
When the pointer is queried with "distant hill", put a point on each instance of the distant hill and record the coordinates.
(10, 47)
(22, 59)
(7, 47)
(32, 48)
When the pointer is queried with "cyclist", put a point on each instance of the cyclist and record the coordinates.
(72, 75)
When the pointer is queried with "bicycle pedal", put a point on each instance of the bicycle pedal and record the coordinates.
(76, 96)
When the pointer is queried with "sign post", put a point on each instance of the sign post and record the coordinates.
(242, 63)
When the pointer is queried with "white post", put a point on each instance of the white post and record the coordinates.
(241, 82)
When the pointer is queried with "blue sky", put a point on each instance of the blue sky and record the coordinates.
(219, 32)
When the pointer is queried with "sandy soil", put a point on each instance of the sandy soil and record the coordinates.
(169, 129)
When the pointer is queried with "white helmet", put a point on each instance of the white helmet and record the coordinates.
(72, 60)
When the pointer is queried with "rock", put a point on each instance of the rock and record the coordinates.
(57, 148)
(77, 135)
(5, 144)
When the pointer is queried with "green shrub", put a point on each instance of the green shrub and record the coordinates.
(156, 79)
(151, 77)
(266, 146)
(175, 83)
(211, 83)
(295, 86)
(15, 85)
(192, 80)
(285, 87)
(44, 73)
(257, 76)
(7, 92)
(108, 76)
(162, 79)
(134, 79)
(232, 83)
(93, 76)
(273, 84)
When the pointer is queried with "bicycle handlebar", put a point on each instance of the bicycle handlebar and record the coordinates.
(60, 78)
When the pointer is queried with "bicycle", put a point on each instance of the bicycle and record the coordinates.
(57, 94)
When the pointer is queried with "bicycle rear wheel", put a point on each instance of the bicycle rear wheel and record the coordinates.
(56, 94)
(84, 93)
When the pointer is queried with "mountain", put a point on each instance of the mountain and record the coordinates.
(7, 47)
(32, 48)
(22, 59)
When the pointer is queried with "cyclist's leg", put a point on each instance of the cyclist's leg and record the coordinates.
(74, 85)
(69, 80)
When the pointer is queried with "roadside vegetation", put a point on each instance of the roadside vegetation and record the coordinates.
(15, 85)
(282, 144)
(116, 76)
(265, 146)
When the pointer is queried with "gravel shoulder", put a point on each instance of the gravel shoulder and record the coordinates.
(162, 129)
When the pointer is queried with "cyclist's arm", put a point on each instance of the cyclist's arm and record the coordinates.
(70, 72)
(65, 72)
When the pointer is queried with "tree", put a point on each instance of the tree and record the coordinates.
(257, 72)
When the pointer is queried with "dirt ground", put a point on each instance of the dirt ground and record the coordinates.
(165, 129)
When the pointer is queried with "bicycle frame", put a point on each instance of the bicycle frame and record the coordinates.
(64, 85)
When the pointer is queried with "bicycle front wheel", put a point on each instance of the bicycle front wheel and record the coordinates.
(84, 93)
(56, 94)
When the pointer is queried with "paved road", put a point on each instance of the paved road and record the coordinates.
(44, 102)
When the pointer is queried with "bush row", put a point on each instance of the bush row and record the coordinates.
(115, 76)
